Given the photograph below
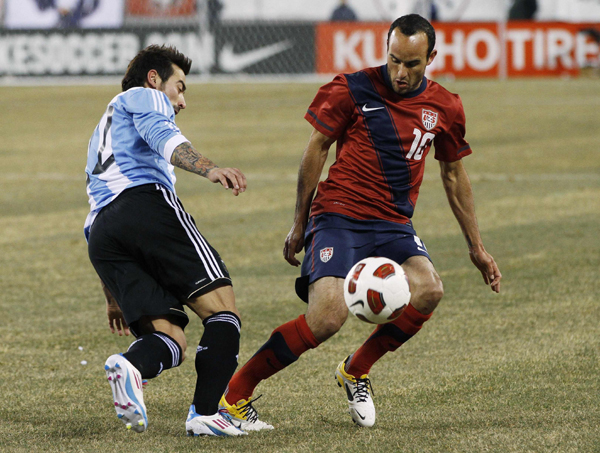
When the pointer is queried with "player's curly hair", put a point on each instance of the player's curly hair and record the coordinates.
(160, 58)
(410, 25)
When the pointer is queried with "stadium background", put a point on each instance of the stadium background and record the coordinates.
(511, 372)
(262, 37)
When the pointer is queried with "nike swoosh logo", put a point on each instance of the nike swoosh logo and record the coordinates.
(367, 109)
(229, 61)
(358, 413)
(358, 302)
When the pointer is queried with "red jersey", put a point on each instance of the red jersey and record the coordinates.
(382, 141)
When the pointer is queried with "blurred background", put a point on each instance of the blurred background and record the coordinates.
(483, 38)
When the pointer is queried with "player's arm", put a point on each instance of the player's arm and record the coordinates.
(311, 166)
(460, 196)
(114, 313)
(186, 157)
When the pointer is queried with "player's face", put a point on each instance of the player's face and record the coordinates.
(407, 60)
(174, 88)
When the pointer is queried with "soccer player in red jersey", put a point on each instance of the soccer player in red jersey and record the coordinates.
(384, 121)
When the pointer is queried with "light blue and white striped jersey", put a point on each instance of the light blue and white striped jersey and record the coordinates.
(132, 145)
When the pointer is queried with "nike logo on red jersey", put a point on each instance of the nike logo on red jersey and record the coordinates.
(367, 109)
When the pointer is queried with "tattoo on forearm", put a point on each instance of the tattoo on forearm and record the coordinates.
(186, 157)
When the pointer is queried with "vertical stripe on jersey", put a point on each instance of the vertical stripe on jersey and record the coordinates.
(384, 137)
(159, 103)
(208, 259)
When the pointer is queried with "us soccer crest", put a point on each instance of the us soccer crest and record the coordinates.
(429, 119)
(326, 254)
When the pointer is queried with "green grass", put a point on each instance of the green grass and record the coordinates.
(508, 373)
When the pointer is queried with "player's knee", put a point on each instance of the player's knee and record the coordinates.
(327, 328)
(216, 301)
(324, 327)
(435, 292)
(427, 296)
(332, 325)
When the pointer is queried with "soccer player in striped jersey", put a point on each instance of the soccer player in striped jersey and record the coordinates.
(384, 120)
(150, 257)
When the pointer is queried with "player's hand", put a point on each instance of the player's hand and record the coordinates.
(116, 322)
(294, 243)
(487, 266)
(230, 178)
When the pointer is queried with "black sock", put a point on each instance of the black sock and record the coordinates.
(216, 360)
(153, 353)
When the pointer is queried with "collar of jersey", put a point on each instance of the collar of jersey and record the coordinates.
(412, 94)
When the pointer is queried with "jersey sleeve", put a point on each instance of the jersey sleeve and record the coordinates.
(451, 145)
(153, 117)
(332, 108)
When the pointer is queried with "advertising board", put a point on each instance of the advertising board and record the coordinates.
(520, 48)
(237, 48)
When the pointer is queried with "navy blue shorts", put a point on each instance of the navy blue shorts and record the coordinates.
(334, 243)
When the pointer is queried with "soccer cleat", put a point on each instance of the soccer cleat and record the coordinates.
(359, 391)
(126, 385)
(210, 425)
(243, 415)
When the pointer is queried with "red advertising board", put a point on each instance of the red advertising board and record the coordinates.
(163, 8)
(520, 48)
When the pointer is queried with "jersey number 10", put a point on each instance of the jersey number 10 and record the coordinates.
(419, 144)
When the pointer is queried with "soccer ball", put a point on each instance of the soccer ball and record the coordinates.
(376, 290)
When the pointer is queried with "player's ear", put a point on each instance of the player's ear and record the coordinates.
(431, 57)
(152, 79)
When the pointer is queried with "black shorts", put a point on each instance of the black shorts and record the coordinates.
(149, 253)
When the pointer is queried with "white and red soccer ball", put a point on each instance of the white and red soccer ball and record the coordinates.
(376, 290)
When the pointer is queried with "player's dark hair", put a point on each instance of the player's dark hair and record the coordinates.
(410, 25)
(159, 58)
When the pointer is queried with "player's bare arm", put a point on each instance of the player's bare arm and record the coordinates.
(186, 157)
(311, 166)
(116, 322)
(460, 196)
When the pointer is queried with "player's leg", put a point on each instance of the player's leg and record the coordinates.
(141, 299)
(158, 347)
(329, 255)
(216, 354)
(353, 373)
(192, 269)
(325, 315)
(327, 312)
(216, 360)
(159, 344)
(426, 292)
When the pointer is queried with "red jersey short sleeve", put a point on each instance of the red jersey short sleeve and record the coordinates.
(331, 108)
(382, 140)
(451, 145)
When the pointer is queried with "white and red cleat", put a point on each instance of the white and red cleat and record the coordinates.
(126, 385)
(210, 425)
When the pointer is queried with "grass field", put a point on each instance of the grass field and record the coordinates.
(512, 372)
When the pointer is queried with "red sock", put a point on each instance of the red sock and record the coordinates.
(385, 338)
(283, 348)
